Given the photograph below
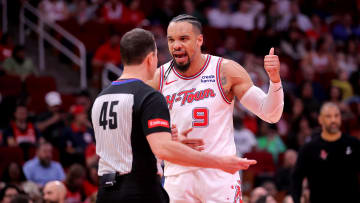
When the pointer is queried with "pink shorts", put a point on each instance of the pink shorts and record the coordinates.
(204, 186)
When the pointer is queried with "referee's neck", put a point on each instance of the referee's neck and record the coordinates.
(136, 72)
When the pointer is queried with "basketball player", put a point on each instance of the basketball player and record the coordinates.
(132, 124)
(199, 90)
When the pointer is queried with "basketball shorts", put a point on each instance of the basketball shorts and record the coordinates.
(204, 186)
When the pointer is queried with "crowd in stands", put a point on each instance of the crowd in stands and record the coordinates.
(47, 136)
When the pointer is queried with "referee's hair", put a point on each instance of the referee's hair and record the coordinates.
(190, 19)
(135, 45)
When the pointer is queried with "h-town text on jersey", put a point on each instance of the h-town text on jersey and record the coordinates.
(189, 96)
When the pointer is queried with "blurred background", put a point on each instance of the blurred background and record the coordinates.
(56, 55)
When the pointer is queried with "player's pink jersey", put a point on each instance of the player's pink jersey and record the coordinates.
(199, 102)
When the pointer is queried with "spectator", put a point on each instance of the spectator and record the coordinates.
(266, 199)
(6, 47)
(293, 45)
(54, 191)
(22, 132)
(42, 169)
(270, 141)
(82, 11)
(83, 99)
(112, 11)
(319, 28)
(163, 14)
(90, 185)
(54, 10)
(329, 153)
(74, 183)
(244, 18)
(300, 132)
(189, 8)
(8, 193)
(108, 52)
(52, 122)
(348, 59)
(257, 193)
(245, 140)
(21, 198)
(288, 199)
(229, 50)
(77, 137)
(18, 64)
(321, 60)
(283, 173)
(302, 21)
(344, 29)
(14, 175)
(31, 189)
(220, 16)
(133, 14)
(271, 18)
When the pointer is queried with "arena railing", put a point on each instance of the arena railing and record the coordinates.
(4, 16)
(109, 68)
(42, 29)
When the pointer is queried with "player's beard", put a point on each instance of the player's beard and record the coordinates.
(182, 67)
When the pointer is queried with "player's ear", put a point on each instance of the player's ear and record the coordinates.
(200, 40)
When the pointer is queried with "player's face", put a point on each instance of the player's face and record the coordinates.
(330, 119)
(184, 43)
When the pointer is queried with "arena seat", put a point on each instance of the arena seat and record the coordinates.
(10, 85)
(40, 84)
(265, 162)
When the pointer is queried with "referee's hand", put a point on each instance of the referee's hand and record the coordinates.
(194, 143)
(232, 164)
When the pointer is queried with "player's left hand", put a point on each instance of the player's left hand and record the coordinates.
(194, 143)
(272, 66)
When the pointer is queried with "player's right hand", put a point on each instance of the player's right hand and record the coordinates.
(232, 164)
(194, 143)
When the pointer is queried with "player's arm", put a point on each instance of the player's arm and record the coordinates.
(166, 149)
(237, 82)
(156, 126)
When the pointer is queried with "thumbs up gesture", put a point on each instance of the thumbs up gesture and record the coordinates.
(272, 66)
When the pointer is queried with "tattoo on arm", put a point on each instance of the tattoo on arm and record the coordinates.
(223, 83)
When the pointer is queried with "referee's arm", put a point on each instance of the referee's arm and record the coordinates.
(156, 125)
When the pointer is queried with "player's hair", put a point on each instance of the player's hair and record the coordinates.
(190, 19)
(135, 45)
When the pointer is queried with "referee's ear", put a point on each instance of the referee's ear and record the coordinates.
(151, 60)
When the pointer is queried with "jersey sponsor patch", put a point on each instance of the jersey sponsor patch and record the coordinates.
(158, 122)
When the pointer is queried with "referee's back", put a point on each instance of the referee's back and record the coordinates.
(122, 115)
(120, 140)
(125, 116)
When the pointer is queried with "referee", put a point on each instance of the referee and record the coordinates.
(132, 124)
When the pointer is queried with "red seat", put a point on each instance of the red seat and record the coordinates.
(10, 85)
(41, 84)
(36, 102)
(213, 38)
(265, 162)
(93, 34)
